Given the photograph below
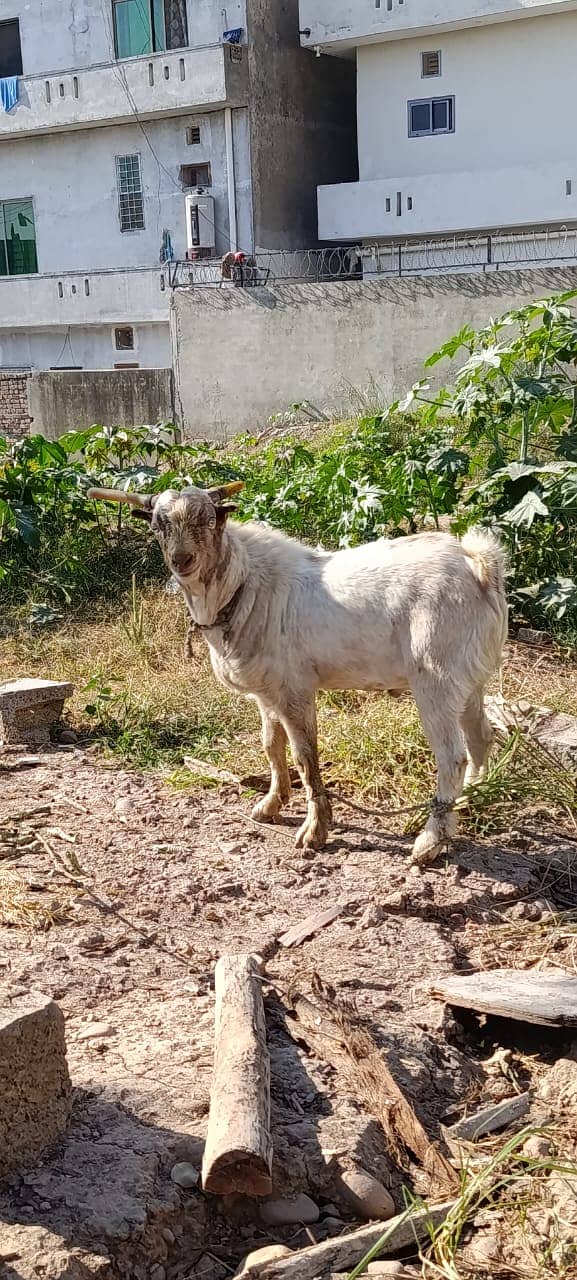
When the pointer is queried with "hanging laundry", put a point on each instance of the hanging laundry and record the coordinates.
(232, 37)
(166, 249)
(9, 92)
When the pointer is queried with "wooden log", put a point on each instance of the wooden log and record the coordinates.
(341, 1253)
(489, 1119)
(547, 999)
(331, 1030)
(311, 924)
(238, 1151)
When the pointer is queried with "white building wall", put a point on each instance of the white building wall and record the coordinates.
(511, 160)
(60, 35)
(88, 347)
(71, 178)
(515, 93)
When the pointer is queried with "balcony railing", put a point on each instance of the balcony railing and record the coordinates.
(137, 295)
(171, 83)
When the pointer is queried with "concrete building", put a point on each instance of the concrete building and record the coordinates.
(124, 106)
(465, 114)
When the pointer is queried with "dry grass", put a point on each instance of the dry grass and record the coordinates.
(162, 706)
(20, 907)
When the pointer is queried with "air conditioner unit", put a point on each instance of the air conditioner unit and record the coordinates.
(200, 229)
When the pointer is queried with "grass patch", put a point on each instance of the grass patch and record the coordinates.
(147, 705)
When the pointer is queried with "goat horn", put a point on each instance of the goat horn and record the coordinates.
(223, 491)
(145, 500)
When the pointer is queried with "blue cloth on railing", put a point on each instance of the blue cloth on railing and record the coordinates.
(232, 37)
(8, 92)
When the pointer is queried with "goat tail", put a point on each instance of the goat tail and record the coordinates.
(487, 560)
(487, 557)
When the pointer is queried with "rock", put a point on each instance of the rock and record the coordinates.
(92, 940)
(158, 1273)
(365, 1196)
(332, 1225)
(384, 1268)
(520, 911)
(96, 1031)
(286, 1213)
(371, 917)
(537, 1147)
(59, 952)
(124, 805)
(231, 848)
(34, 1082)
(540, 909)
(68, 737)
(560, 1084)
(268, 1253)
(185, 1175)
(483, 1250)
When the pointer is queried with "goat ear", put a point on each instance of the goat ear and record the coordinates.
(224, 511)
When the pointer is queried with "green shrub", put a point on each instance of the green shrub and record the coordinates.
(498, 447)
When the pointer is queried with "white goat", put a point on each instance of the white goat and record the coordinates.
(425, 613)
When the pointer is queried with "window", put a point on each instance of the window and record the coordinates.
(17, 238)
(431, 63)
(193, 135)
(124, 338)
(431, 115)
(10, 51)
(130, 199)
(195, 175)
(148, 26)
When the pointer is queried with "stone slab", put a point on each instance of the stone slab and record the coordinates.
(29, 707)
(35, 1088)
(31, 691)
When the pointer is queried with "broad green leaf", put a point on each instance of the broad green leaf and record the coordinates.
(25, 518)
(523, 515)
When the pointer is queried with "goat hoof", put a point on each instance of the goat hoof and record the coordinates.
(312, 835)
(267, 809)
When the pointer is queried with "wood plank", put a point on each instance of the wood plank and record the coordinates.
(548, 999)
(238, 1151)
(489, 1119)
(311, 924)
(342, 1253)
(335, 1032)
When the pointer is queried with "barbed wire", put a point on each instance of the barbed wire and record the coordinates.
(448, 254)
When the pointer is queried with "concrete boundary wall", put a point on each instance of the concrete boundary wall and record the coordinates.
(70, 400)
(241, 355)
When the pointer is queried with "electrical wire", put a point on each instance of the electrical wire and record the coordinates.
(67, 343)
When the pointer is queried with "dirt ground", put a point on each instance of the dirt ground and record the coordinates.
(159, 883)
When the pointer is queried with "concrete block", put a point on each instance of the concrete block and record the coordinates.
(28, 708)
(34, 1082)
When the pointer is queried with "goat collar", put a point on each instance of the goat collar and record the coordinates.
(225, 615)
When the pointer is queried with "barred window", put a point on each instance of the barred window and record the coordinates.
(130, 198)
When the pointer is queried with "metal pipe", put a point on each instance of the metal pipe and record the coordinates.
(230, 179)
